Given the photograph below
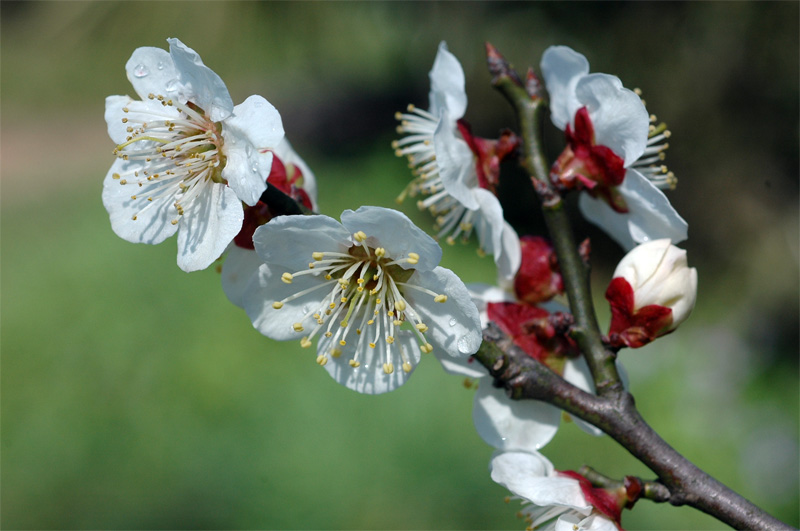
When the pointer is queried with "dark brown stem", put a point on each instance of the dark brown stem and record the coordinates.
(616, 414)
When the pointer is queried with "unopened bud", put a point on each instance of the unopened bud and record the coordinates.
(653, 291)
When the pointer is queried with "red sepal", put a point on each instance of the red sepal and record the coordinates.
(538, 279)
(606, 503)
(634, 328)
(531, 329)
(586, 165)
(489, 153)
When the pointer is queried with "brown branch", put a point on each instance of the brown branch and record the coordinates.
(616, 414)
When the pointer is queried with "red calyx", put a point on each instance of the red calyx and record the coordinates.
(586, 165)
(489, 153)
(538, 279)
(632, 328)
(606, 503)
(531, 329)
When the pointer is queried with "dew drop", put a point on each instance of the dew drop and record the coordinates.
(172, 85)
(452, 321)
(469, 344)
(140, 71)
(258, 103)
(160, 65)
(305, 309)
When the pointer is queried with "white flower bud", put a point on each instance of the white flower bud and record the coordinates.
(659, 274)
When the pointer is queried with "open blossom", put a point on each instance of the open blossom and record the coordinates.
(186, 157)
(454, 169)
(652, 292)
(613, 152)
(553, 500)
(292, 176)
(368, 289)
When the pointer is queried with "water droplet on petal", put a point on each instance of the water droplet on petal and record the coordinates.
(160, 65)
(249, 150)
(469, 344)
(452, 321)
(140, 70)
(172, 85)
(258, 103)
(305, 309)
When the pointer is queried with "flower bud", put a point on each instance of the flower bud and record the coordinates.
(653, 291)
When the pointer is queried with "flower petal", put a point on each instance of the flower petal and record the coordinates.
(370, 378)
(509, 424)
(562, 67)
(530, 476)
(265, 288)
(152, 71)
(496, 236)
(208, 225)
(288, 155)
(453, 325)
(447, 85)
(393, 231)
(253, 127)
(618, 115)
(456, 163)
(289, 241)
(594, 522)
(199, 84)
(153, 223)
(576, 372)
(650, 215)
(238, 270)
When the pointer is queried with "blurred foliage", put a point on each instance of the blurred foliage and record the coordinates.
(136, 396)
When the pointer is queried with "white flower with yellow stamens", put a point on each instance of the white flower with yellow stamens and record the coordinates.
(368, 289)
(186, 157)
(445, 168)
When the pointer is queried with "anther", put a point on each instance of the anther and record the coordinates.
(322, 360)
(298, 327)
(287, 278)
(277, 305)
(407, 367)
(354, 363)
(388, 368)
(440, 298)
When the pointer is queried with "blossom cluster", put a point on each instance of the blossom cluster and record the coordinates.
(367, 290)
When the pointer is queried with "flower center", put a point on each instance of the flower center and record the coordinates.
(175, 154)
(366, 293)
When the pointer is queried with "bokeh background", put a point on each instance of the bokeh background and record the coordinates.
(135, 396)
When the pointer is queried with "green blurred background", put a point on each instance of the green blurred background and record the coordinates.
(135, 396)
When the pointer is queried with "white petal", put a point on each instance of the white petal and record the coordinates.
(209, 224)
(199, 84)
(453, 325)
(138, 112)
(529, 475)
(265, 288)
(576, 372)
(152, 71)
(253, 127)
(497, 237)
(482, 294)
(649, 216)
(456, 163)
(509, 424)
(238, 270)
(288, 155)
(618, 115)
(393, 231)
(562, 67)
(370, 378)
(595, 522)
(468, 367)
(447, 85)
(290, 241)
(153, 219)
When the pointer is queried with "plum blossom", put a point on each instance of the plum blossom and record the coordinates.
(652, 292)
(553, 500)
(613, 151)
(292, 176)
(186, 157)
(369, 289)
(454, 169)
